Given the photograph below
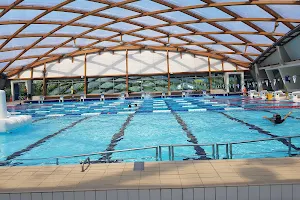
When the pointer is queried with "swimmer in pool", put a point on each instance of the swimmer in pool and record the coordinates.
(129, 106)
(276, 119)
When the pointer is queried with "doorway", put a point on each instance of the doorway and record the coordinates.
(19, 90)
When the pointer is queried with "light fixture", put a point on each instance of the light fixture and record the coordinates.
(168, 44)
(121, 42)
(275, 26)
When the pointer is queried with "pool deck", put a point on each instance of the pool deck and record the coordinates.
(181, 174)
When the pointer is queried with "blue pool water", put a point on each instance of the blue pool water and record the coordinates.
(66, 129)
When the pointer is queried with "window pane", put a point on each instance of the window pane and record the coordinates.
(211, 13)
(149, 21)
(37, 51)
(205, 27)
(177, 16)
(53, 40)
(236, 26)
(20, 15)
(147, 5)
(60, 16)
(9, 29)
(123, 26)
(249, 11)
(39, 28)
(88, 5)
(93, 20)
(18, 42)
(119, 12)
(37, 87)
(174, 30)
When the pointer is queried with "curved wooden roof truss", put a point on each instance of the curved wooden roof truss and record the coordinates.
(236, 32)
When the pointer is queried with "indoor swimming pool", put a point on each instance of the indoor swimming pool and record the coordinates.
(73, 128)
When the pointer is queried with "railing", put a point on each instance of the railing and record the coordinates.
(171, 149)
(215, 150)
(86, 161)
(105, 153)
(288, 138)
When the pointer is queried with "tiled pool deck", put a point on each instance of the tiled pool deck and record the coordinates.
(183, 174)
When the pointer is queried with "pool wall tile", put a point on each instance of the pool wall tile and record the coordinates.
(232, 193)
(253, 192)
(243, 193)
(68, 195)
(36, 196)
(122, 195)
(15, 197)
(90, 195)
(176, 194)
(210, 193)
(26, 196)
(287, 192)
(58, 196)
(220, 193)
(188, 194)
(198, 193)
(265, 192)
(154, 195)
(296, 192)
(166, 194)
(47, 196)
(78, 195)
(4, 196)
(144, 194)
(112, 195)
(276, 192)
(100, 195)
(133, 194)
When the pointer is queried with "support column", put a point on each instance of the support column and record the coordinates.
(226, 80)
(28, 85)
(44, 81)
(209, 74)
(271, 77)
(257, 76)
(85, 78)
(127, 81)
(168, 69)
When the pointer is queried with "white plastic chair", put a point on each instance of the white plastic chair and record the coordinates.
(102, 97)
(82, 97)
(61, 99)
(41, 99)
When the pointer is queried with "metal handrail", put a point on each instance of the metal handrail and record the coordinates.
(289, 138)
(158, 150)
(266, 139)
(88, 161)
(172, 147)
(91, 154)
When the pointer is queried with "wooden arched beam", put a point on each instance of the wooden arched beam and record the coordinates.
(176, 8)
(33, 20)
(65, 24)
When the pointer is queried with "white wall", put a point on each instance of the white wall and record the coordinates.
(147, 62)
(107, 63)
(215, 65)
(139, 62)
(65, 67)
